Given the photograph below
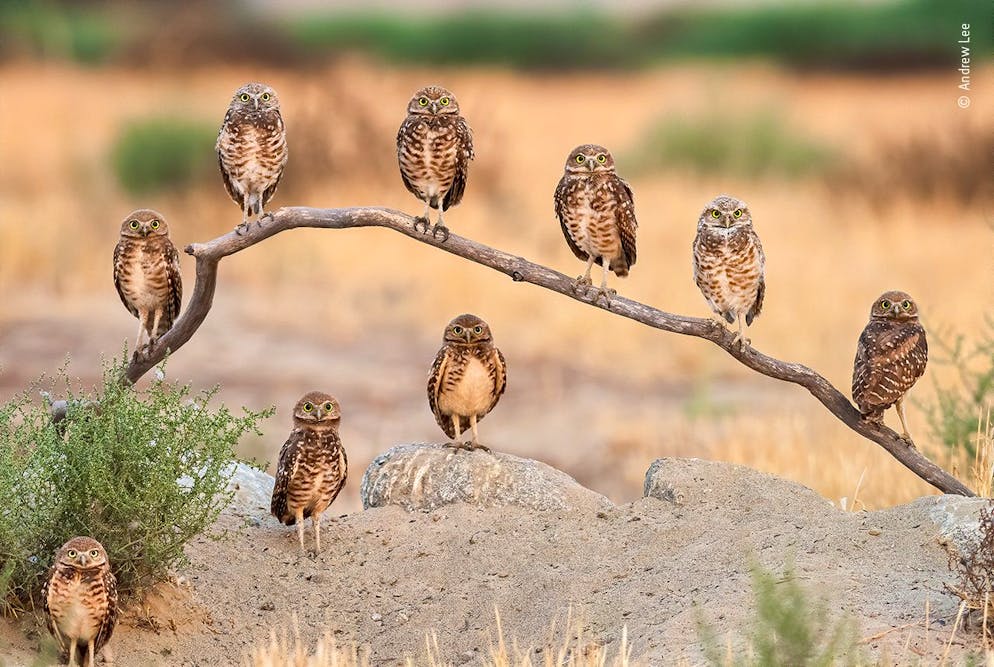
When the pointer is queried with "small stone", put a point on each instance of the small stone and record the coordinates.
(874, 531)
(376, 617)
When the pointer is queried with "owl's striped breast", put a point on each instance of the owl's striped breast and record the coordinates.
(253, 154)
(728, 268)
(142, 273)
(78, 601)
(429, 153)
(319, 472)
(469, 384)
(589, 215)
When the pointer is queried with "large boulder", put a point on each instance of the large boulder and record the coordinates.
(424, 477)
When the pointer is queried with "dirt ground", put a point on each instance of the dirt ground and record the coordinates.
(386, 578)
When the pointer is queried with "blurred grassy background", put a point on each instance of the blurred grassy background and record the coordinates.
(837, 122)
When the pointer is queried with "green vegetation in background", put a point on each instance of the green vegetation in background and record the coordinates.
(142, 472)
(162, 153)
(49, 30)
(787, 629)
(751, 145)
(960, 408)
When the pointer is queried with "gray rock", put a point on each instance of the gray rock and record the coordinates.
(424, 477)
(253, 490)
(958, 520)
(697, 483)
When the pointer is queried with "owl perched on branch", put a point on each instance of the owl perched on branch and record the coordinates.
(80, 600)
(251, 149)
(313, 467)
(434, 148)
(729, 264)
(596, 211)
(467, 379)
(890, 357)
(147, 274)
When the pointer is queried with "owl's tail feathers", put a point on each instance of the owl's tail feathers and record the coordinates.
(729, 316)
(620, 267)
(872, 415)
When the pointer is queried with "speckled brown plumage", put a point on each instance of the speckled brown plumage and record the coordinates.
(312, 467)
(467, 378)
(434, 148)
(890, 357)
(729, 264)
(147, 273)
(80, 600)
(251, 148)
(596, 211)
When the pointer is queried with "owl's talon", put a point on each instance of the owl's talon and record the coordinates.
(439, 229)
(419, 222)
(242, 227)
(605, 293)
(580, 285)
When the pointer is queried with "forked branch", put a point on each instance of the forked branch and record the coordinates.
(519, 269)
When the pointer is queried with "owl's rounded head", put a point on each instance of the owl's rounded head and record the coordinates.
(433, 101)
(254, 97)
(143, 223)
(317, 408)
(726, 212)
(466, 330)
(82, 553)
(589, 158)
(894, 305)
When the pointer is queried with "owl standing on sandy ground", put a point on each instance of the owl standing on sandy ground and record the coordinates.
(313, 467)
(596, 211)
(729, 264)
(890, 357)
(80, 600)
(147, 274)
(434, 148)
(251, 149)
(466, 380)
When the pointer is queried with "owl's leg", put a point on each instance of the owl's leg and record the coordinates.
(904, 424)
(155, 326)
(440, 228)
(475, 443)
(316, 521)
(740, 338)
(243, 226)
(424, 221)
(72, 651)
(457, 442)
(142, 321)
(604, 291)
(300, 527)
(92, 662)
(581, 283)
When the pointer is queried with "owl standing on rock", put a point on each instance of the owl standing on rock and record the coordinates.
(312, 468)
(251, 149)
(146, 273)
(729, 264)
(890, 357)
(467, 379)
(596, 211)
(80, 600)
(434, 148)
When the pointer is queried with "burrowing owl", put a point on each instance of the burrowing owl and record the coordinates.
(146, 273)
(729, 263)
(312, 467)
(251, 149)
(80, 599)
(597, 213)
(890, 357)
(467, 379)
(434, 147)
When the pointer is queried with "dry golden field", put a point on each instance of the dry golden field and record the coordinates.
(360, 312)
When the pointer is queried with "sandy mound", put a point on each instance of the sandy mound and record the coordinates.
(388, 576)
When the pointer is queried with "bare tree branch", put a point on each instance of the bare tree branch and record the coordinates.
(519, 269)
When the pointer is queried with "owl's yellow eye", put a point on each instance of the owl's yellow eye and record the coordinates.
(737, 213)
(477, 329)
(457, 330)
(266, 97)
(602, 158)
(134, 224)
(94, 553)
(423, 101)
(885, 305)
(244, 97)
(72, 553)
(715, 214)
(906, 304)
(328, 406)
(580, 159)
(155, 224)
(444, 101)
(308, 407)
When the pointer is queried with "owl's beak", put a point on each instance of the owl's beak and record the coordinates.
(434, 107)
(467, 335)
(727, 221)
(82, 559)
(256, 98)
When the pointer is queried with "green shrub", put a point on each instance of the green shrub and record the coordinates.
(752, 145)
(141, 471)
(163, 153)
(48, 30)
(958, 408)
(787, 629)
